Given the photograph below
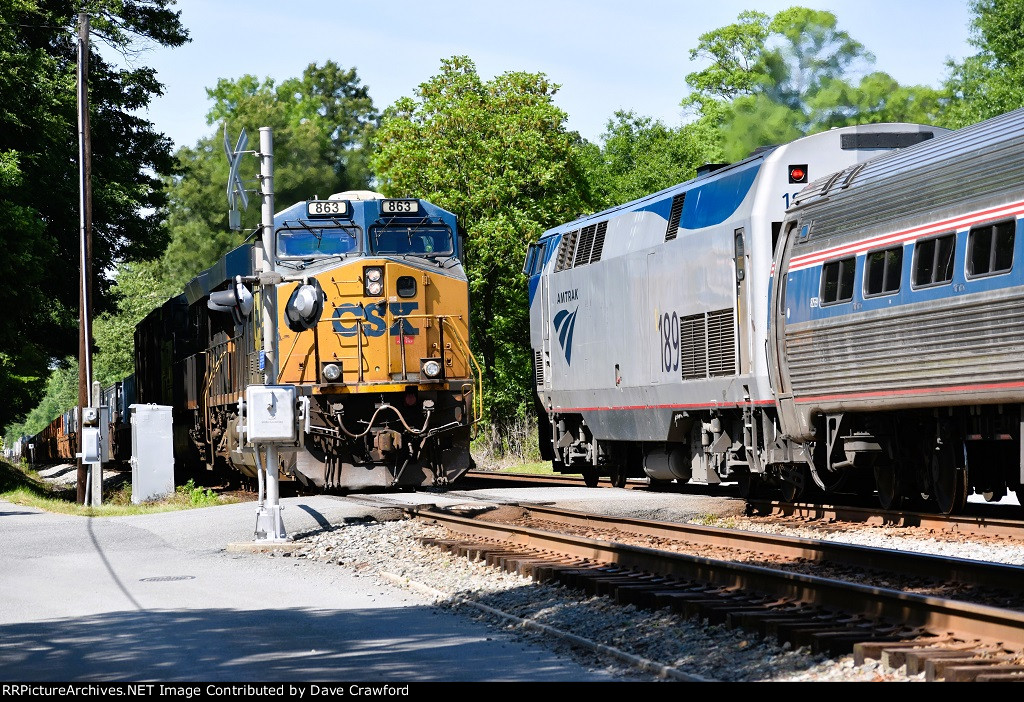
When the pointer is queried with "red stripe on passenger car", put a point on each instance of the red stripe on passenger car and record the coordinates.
(907, 391)
(907, 235)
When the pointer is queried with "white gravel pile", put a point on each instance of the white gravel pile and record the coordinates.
(677, 647)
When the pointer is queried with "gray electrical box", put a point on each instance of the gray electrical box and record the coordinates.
(152, 452)
(270, 413)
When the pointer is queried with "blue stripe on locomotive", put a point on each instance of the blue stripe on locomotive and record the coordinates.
(709, 201)
(804, 284)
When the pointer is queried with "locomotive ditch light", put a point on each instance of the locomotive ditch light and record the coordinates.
(431, 368)
(305, 306)
(373, 281)
(331, 372)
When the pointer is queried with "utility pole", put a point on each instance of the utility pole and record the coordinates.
(85, 225)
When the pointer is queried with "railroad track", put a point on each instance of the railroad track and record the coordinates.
(984, 520)
(772, 590)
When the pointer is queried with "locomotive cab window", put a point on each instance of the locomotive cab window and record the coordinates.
(837, 281)
(306, 240)
(990, 249)
(416, 240)
(933, 260)
(882, 271)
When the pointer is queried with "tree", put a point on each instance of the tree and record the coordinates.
(39, 184)
(991, 82)
(773, 79)
(321, 122)
(496, 153)
(639, 156)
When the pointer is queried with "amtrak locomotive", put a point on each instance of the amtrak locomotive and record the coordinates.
(650, 321)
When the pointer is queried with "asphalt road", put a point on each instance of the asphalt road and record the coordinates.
(162, 598)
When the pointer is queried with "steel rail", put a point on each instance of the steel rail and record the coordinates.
(961, 523)
(937, 616)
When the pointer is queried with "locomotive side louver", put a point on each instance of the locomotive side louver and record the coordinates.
(602, 228)
(538, 368)
(675, 216)
(693, 350)
(707, 345)
(721, 343)
(584, 247)
(566, 250)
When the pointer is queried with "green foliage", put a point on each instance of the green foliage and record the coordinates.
(774, 79)
(138, 289)
(321, 124)
(39, 183)
(991, 82)
(496, 153)
(639, 156)
(60, 394)
(197, 496)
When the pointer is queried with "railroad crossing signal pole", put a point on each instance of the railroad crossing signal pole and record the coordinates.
(269, 409)
(270, 526)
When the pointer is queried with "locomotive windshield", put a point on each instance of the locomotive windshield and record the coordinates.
(300, 239)
(416, 240)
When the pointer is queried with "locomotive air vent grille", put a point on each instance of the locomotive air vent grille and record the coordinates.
(721, 343)
(566, 250)
(602, 228)
(693, 352)
(538, 367)
(584, 247)
(707, 345)
(675, 216)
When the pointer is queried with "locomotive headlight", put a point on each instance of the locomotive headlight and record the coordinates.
(373, 281)
(430, 367)
(331, 372)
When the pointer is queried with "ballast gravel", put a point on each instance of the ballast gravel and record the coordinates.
(679, 648)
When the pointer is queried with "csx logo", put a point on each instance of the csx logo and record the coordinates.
(375, 324)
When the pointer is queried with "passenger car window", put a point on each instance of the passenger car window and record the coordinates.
(882, 271)
(933, 260)
(837, 281)
(990, 248)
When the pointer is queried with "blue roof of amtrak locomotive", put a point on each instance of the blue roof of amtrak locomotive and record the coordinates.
(725, 188)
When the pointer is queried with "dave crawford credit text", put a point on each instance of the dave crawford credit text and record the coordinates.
(204, 690)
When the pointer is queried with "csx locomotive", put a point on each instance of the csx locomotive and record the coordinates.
(859, 333)
(373, 325)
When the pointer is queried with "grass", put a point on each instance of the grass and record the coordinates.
(538, 468)
(23, 486)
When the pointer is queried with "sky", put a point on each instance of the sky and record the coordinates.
(605, 54)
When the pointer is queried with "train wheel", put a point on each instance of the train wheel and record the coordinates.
(749, 485)
(949, 480)
(887, 482)
(618, 476)
(590, 476)
(794, 482)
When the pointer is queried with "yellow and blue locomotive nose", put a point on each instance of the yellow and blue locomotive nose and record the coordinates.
(384, 322)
